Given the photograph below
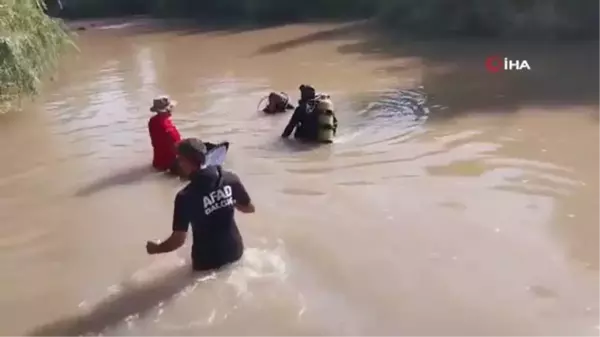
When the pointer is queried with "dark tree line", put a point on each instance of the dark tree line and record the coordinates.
(554, 18)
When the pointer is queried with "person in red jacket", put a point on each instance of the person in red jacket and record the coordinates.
(164, 135)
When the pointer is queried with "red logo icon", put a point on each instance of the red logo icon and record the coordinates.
(493, 64)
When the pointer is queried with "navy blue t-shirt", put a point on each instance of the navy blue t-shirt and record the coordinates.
(207, 202)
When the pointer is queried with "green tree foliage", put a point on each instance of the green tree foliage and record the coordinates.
(535, 18)
(524, 18)
(261, 11)
(30, 43)
(104, 8)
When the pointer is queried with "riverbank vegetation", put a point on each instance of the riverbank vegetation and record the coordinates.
(498, 18)
(30, 43)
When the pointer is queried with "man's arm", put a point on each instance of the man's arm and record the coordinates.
(171, 131)
(181, 221)
(248, 209)
(292, 123)
(243, 203)
(171, 134)
(173, 242)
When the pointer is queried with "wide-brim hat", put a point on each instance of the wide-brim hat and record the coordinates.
(162, 104)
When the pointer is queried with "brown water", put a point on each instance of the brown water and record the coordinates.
(454, 201)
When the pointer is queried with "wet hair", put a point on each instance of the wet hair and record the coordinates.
(307, 92)
(193, 150)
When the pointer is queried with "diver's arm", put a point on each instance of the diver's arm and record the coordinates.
(292, 123)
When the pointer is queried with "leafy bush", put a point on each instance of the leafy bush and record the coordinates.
(30, 43)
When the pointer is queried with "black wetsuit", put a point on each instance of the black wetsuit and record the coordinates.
(207, 202)
(306, 124)
(300, 122)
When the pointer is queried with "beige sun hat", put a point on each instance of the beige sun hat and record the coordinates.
(162, 104)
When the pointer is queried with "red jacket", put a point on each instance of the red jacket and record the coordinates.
(164, 137)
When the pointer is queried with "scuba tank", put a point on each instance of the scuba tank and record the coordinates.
(325, 119)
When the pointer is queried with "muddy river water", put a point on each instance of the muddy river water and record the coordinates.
(454, 201)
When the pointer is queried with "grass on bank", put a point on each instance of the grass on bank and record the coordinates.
(30, 44)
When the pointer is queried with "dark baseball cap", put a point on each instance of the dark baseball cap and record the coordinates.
(192, 149)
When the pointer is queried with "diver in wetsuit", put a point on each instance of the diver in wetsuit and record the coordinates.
(298, 121)
(313, 120)
(278, 103)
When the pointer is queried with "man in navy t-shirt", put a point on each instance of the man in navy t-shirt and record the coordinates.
(208, 203)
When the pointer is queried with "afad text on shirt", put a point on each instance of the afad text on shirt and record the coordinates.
(223, 197)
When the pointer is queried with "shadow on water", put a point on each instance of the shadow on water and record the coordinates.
(143, 25)
(129, 26)
(346, 30)
(454, 73)
(129, 176)
(133, 299)
(224, 28)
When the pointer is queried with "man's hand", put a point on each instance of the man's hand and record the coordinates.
(152, 247)
(249, 208)
(176, 240)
